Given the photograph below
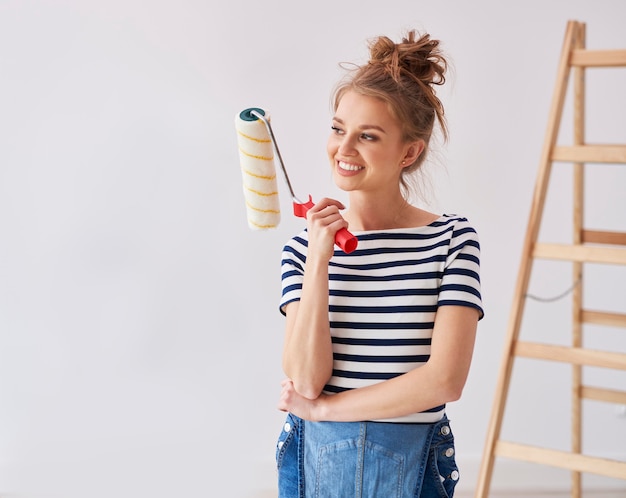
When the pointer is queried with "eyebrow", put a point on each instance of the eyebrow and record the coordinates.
(362, 127)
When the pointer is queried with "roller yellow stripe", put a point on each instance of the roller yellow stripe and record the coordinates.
(261, 210)
(262, 177)
(258, 171)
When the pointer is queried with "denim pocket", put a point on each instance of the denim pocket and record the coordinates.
(338, 471)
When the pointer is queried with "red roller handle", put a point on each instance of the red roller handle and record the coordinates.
(343, 238)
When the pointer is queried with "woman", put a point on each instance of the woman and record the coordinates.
(378, 340)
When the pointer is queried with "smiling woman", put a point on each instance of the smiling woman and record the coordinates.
(379, 340)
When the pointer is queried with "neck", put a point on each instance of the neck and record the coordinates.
(367, 213)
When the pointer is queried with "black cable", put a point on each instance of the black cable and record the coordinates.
(555, 298)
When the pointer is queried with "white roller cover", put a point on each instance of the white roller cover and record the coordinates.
(256, 157)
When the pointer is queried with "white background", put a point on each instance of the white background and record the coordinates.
(140, 338)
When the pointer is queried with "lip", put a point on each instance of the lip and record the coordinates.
(348, 169)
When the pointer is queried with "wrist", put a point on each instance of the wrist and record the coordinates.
(316, 263)
(321, 409)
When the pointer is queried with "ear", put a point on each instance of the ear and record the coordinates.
(413, 151)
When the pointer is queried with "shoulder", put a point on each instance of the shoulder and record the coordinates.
(460, 232)
(457, 224)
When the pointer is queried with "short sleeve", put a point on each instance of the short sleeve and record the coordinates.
(293, 259)
(460, 284)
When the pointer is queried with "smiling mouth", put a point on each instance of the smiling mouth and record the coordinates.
(349, 167)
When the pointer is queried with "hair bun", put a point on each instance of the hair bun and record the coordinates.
(383, 50)
(420, 59)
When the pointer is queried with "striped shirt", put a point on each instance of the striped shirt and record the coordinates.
(383, 298)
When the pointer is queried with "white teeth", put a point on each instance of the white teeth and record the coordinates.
(349, 167)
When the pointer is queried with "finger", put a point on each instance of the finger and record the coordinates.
(327, 202)
(333, 202)
(326, 216)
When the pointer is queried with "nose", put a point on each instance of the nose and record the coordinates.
(347, 146)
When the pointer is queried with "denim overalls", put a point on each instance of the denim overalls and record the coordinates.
(365, 460)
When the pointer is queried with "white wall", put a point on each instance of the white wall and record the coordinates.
(140, 338)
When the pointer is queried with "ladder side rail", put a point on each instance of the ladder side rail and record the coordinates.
(578, 197)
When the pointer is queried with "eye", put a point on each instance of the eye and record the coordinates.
(368, 137)
(336, 130)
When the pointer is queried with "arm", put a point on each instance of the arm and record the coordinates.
(307, 351)
(441, 379)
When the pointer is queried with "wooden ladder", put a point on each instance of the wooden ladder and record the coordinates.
(588, 246)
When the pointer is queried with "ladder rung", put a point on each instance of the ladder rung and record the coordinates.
(604, 237)
(590, 153)
(576, 356)
(598, 58)
(603, 318)
(581, 253)
(599, 394)
(562, 459)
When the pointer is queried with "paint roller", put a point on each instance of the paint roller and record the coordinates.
(259, 174)
(257, 142)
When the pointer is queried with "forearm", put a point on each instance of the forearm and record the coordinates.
(307, 353)
(413, 392)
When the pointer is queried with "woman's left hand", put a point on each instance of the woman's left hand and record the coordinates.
(291, 401)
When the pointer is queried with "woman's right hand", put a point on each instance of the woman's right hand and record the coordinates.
(324, 220)
(291, 401)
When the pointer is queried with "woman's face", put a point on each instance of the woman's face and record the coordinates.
(365, 148)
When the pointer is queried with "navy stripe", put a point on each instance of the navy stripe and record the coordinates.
(417, 358)
(377, 251)
(385, 293)
(382, 309)
(462, 245)
(460, 288)
(289, 288)
(451, 219)
(463, 271)
(403, 235)
(382, 326)
(365, 375)
(454, 302)
(463, 231)
(298, 266)
(469, 257)
(292, 250)
(385, 278)
(291, 273)
(435, 409)
(390, 264)
(382, 342)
